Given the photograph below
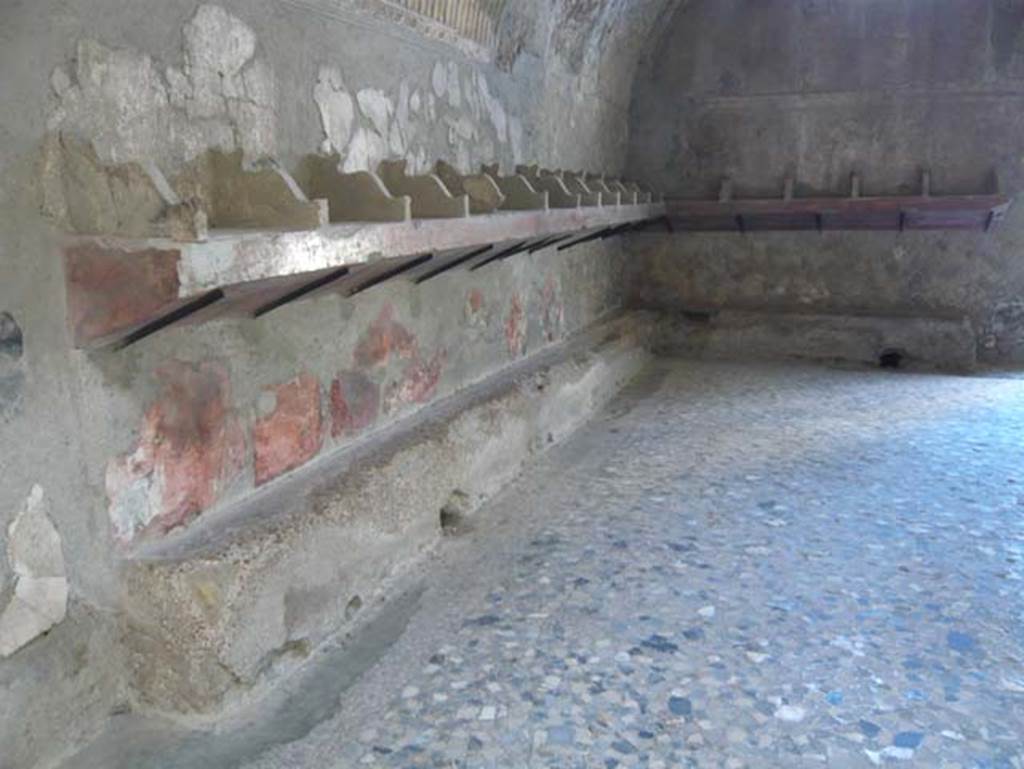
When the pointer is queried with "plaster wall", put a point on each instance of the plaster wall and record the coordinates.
(126, 446)
(758, 89)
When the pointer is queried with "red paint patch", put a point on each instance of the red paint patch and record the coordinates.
(419, 381)
(515, 328)
(190, 448)
(111, 291)
(475, 300)
(355, 402)
(552, 310)
(291, 435)
(384, 337)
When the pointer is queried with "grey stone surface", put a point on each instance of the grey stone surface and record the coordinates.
(40, 596)
(819, 90)
(210, 614)
(736, 565)
(896, 342)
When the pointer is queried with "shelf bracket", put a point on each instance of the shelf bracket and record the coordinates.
(265, 196)
(355, 197)
(430, 198)
(577, 186)
(484, 194)
(519, 194)
(609, 196)
(558, 194)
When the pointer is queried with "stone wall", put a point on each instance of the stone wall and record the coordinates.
(103, 451)
(820, 89)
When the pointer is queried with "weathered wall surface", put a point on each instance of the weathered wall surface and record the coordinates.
(820, 89)
(100, 451)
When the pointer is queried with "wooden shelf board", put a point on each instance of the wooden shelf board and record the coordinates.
(961, 212)
(120, 290)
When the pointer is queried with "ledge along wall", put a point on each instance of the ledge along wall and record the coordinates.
(820, 90)
(106, 450)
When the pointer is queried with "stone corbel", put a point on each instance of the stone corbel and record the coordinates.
(354, 197)
(430, 198)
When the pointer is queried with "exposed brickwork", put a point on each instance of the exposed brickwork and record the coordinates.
(190, 448)
(355, 403)
(291, 435)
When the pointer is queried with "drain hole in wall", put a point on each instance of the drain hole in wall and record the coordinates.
(890, 359)
(698, 316)
(353, 607)
(453, 513)
(450, 520)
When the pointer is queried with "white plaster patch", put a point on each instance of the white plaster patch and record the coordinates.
(417, 162)
(462, 159)
(462, 127)
(41, 587)
(337, 109)
(60, 81)
(454, 90)
(179, 88)
(396, 141)
(217, 47)
(439, 80)
(132, 497)
(414, 102)
(495, 110)
(226, 77)
(515, 136)
(365, 151)
(472, 95)
(223, 96)
(376, 106)
(402, 110)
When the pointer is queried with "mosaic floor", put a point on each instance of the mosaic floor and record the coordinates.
(735, 566)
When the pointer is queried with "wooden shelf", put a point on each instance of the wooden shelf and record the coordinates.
(226, 238)
(915, 212)
(121, 290)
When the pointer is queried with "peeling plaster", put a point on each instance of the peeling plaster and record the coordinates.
(515, 328)
(191, 448)
(41, 588)
(365, 152)
(454, 90)
(376, 107)
(337, 109)
(223, 96)
(291, 434)
(439, 79)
